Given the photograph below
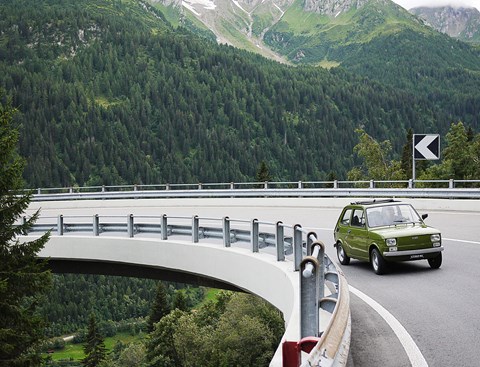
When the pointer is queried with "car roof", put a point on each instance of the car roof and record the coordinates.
(378, 202)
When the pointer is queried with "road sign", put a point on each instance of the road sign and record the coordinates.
(426, 146)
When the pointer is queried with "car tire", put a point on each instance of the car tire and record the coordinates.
(435, 262)
(343, 258)
(379, 265)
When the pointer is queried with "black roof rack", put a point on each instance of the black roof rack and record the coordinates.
(374, 201)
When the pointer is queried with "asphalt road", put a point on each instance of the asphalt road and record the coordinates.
(438, 309)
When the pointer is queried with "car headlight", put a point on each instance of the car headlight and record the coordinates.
(435, 237)
(391, 241)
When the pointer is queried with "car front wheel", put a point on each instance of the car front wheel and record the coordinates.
(435, 262)
(378, 263)
(342, 256)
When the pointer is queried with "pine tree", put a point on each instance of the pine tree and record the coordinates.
(95, 351)
(263, 173)
(160, 307)
(180, 301)
(23, 280)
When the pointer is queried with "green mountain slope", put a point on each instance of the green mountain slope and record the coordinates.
(109, 93)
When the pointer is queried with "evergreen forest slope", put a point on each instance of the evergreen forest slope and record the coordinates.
(110, 93)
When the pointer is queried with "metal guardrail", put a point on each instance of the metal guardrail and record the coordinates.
(446, 189)
(316, 271)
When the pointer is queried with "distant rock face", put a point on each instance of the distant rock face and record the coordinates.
(462, 23)
(332, 7)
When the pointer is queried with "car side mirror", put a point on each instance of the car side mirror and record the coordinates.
(424, 216)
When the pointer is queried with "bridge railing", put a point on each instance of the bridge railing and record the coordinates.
(323, 293)
(371, 188)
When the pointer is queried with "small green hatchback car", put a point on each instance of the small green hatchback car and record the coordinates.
(383, 231)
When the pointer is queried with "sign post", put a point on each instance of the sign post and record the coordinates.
(425, 147)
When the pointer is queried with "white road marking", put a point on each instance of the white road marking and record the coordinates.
(412, 350)
(453, 239)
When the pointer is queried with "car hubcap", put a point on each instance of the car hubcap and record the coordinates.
(375, 261)
(340, 253)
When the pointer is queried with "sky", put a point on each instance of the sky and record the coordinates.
(408, 4)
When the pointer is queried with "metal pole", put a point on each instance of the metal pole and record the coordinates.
(297, 246)
(130, 225)
(195, 229)
(226, 232)
(309, 288)
(413, 161)
(60, 225)
(254, 235)
(164, 227)
(280, 241)
(96, 224)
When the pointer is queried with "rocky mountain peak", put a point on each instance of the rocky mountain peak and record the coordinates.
(333, 8)
(462, 23)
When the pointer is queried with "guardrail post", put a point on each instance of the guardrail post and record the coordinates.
(39, 191)
(312, 280)
(265, 185)
(167, 186)
(300, 184)
(130, 225)
(96, 225)
(410, 183)
(199, 186)
(451, 184)
(310, 240)
(309, 287)
(226, 232)
(297, 246)
(232, 185)
(60, 225)
(103, 188)
(335, 184)
(372, 184)
(195, 229)
(280, 241)
(163, 227)
(254, 235)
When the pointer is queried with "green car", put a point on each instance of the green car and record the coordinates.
(383, 231)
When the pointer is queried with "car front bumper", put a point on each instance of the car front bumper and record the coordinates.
(414, 253)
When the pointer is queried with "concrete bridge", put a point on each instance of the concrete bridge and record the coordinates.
(284, 264)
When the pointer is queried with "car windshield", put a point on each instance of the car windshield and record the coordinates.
(391, 214)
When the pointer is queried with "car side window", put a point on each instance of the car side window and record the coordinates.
(346, 217)
(358, 219)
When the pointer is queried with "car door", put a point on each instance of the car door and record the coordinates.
(358, 235)
(343, 229)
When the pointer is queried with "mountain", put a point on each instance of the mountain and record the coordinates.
(115, 92)
(460, 23)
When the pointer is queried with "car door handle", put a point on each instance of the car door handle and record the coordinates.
(349, 231)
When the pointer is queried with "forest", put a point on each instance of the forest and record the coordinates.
(106, 99)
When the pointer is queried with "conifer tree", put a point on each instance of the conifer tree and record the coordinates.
(160, 307)
(263, 173)
(23, 279)
(180, 301)
(95, 351)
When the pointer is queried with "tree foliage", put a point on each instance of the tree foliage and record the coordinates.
(234, 330)
(94, 349)
(23, 279)
(376, 160)
(126, 99)
(160, 308)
